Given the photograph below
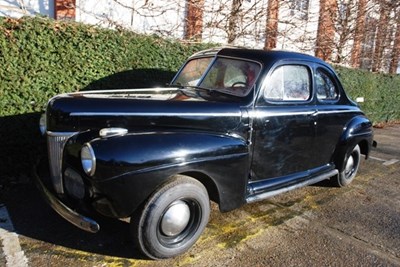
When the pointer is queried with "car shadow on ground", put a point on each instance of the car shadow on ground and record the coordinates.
(33, 218)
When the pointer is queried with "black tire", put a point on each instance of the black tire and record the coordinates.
(350, 168)
(156, 236)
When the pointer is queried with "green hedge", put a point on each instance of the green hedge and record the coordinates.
(381, 93)
(40, 58)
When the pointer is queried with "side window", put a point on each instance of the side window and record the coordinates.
(288, 83)
(325, 87)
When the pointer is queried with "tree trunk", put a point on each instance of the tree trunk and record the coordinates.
(64, 10)
(381, 36)
(194, 20)
(394, 63)
(359, 34)
(271, 30)
(326, 29)
(233, 20)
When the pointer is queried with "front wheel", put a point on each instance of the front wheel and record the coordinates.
(172, 219)
(351, 164)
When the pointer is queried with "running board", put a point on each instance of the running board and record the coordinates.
(257, 197)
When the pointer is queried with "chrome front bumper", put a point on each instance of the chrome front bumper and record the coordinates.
(68, 214)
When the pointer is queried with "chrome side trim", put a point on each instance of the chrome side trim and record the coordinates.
(253, 198)
(71, 216)
(323, 112)
(262, 114)
(155, 114)
(116, 91)
(55, 146)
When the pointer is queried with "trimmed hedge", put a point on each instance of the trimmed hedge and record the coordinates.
(381, 93)
(40, 58)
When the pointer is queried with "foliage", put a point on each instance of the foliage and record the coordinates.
(381, 93)
(40, 58)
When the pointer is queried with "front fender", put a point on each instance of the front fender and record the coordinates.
(131, 167)
(357, 131)
(139, 153)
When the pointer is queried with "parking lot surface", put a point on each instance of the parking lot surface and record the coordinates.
(317, 225)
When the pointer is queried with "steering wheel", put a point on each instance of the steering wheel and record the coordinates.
(241, 84)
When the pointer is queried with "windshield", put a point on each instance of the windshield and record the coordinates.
(231, 76)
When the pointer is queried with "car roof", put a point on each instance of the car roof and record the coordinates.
(266, 57)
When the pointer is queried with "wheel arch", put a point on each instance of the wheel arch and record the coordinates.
(226, 196)
(208, 183)
(159, 229)
(364, 148)
(357, 132)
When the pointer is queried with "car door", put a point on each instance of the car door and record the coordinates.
(333, 113)
(284, 123)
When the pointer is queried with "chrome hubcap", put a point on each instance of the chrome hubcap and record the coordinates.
(349, 165)
(175, 219)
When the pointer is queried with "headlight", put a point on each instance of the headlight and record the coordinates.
(42, 124)
(88, 159)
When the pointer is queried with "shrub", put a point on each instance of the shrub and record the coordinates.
(40, 58)
(381, 93)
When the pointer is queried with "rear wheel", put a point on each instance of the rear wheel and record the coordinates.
(172, 219)
(351, 164)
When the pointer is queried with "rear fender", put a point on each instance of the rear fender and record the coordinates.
(357, 132)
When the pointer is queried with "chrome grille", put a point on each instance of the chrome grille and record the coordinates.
(55, 145)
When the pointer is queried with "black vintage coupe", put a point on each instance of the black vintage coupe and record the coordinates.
(234, 126)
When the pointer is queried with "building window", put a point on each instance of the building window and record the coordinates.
(299, 8)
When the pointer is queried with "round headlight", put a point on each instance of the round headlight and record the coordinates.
(88, 159)
(42, 124)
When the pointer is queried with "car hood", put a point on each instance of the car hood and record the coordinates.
(141, 110)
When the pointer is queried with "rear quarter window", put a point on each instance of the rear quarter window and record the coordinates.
(325, 86)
